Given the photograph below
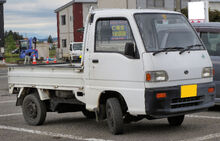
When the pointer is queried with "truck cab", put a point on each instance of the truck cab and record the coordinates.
(76, 51)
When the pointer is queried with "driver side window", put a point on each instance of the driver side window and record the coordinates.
(112, 35)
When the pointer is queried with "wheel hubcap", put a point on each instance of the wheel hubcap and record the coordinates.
(31, 109)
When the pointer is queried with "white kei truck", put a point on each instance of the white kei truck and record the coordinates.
(135, 64)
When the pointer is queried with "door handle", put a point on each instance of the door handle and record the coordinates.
(95, 61)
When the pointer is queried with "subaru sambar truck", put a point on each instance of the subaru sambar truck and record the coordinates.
(135, 64)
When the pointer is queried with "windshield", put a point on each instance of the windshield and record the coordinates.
(161, 31)
(77, 47)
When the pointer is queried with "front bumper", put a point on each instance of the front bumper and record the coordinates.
(174, 105)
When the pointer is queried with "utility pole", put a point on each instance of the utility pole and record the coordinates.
(178, 5)
(2, 40)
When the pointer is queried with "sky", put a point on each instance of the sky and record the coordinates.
(32, 17)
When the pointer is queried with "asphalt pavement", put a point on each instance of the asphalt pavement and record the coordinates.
(74, 126)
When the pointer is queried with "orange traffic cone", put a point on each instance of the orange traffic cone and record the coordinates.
(3, 61)
(34, 60)
(55, 59)
(47, 60)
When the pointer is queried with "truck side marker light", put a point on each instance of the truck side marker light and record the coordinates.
(148, 77)
(211, 90)
(161, 95)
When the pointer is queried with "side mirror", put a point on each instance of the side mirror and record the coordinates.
(130, 49)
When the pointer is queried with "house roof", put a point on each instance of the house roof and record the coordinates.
(74, 1)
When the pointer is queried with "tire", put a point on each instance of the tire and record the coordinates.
(34, 110)
(114, 116)
(176, 121)
(88, 114)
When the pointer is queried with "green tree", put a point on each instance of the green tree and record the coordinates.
(10, 43)
(50, 39)
(16, 35)
(214, 15)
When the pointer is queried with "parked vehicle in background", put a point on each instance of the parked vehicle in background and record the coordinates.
(135, 64)
(76, 51)
(210, 35)
(25, 47)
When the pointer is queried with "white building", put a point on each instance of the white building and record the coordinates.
(70, 18)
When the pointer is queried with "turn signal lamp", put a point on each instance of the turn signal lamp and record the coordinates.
(161, 95)
(211, 90)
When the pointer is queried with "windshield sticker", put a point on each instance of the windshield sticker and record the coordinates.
(119, 30)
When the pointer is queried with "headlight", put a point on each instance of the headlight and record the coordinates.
(207, 72)
(156, 76)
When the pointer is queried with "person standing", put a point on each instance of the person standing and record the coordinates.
(27, 58)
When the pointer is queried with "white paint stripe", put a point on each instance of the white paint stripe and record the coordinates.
(9, 101)
(49, 133)
(203, 138)
(198, 116)
(8, 115)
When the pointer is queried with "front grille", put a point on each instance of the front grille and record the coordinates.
(186, 102)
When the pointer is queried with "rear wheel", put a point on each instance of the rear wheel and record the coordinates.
(114, 116)
(34, 110)
(176, 121)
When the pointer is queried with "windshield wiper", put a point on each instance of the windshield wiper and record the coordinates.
(167, 49)
(189, 47)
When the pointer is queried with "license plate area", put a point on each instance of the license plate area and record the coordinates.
(188, 91)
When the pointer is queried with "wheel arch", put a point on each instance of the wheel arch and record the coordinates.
(43, 94)
(112, 94)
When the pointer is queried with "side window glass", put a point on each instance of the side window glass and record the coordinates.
(212, 42)
(112, 35)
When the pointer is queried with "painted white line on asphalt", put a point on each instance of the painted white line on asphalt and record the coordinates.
(51, 134)
(203, 138)
(198, 116)
(8, 115)
(9, 101)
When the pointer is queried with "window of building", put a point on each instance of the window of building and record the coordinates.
(159, 3)
(150, 3)
(63, 19)
(154, 3)
(112, 35)
(64, 43)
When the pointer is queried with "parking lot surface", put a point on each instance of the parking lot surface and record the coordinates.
(74, 126)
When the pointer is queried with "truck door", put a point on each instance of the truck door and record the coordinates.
(113, 62)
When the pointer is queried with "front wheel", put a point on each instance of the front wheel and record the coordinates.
(176, 121)
(114, 116)
(34, 110)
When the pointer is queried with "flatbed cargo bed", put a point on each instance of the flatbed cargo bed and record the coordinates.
(55, 76)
